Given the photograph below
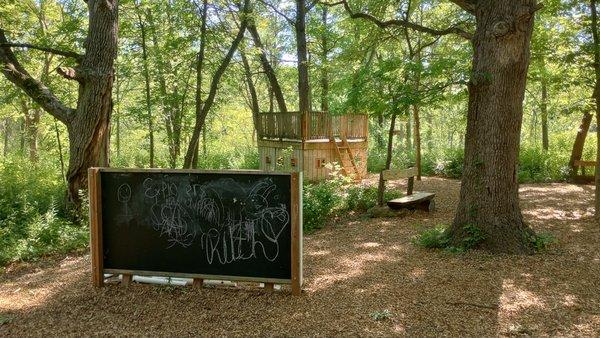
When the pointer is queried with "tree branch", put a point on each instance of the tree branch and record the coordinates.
(276, 10)
(35, 89)
(400, 23)
(467, 5)
(64, 53)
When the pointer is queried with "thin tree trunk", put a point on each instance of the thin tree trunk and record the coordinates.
(302, 57)
(251, 89)
(199, 77)
(60, 152)
(489, 197)
(596, 45)
(324, 62)
(388, 161)
(544, 108)
(6, 133)
(380, 137)
(417, 125)
(146, 72)
(275, 87)
(582, 131)
(200, 119)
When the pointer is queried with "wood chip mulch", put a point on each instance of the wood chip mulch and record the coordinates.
(363, 277)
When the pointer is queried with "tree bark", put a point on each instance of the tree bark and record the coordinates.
(146, 72)
(489, 197)
(274, 85)
(302, 56)
(254, 107)
(88, 124)
(200, 119)
(582, 131)
(89, 128)
(544, 108)
(388, 161)
(199, 77)
(324, 62)
(596, 96)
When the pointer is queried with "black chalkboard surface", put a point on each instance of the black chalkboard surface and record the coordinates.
(225, 225)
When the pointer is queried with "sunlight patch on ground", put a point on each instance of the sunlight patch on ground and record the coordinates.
(319, 253)
(347, 268)
(39, 286)
(513, 301)
(368, 245)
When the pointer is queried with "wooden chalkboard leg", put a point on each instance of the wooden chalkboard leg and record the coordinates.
(95, 200)
(126, 279)
(269, 287)
(198, 282)
(296, 206)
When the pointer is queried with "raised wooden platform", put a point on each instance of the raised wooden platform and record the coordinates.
(418, 200)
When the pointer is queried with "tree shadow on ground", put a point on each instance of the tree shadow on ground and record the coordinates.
(354, 269)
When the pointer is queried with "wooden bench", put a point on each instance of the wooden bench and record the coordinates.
(412, 200)
(584, 177)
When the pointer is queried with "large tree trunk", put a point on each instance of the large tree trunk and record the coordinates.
(89, 128)
(489, 197)
(302, 56)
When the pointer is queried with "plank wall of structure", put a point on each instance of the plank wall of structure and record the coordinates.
(293, 142)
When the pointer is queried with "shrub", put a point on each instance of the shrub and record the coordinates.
(541, 242)
(436, 238)
(363, 198)
(451, 164)
(322, 199)
(33, 220)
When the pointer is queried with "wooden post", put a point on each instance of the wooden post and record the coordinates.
(269, 287)
(296, 203)
(95, 200)
(410, 185)
(126, 279)
(198, 282)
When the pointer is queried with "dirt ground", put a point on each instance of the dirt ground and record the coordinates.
(354, 269)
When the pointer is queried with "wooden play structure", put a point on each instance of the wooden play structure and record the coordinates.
(579, 172)
(412, 200)
(293, 141)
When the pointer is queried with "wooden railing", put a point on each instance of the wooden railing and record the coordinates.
(280, 125)
(312, 126)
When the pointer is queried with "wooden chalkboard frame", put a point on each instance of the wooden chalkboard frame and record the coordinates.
(96, 248)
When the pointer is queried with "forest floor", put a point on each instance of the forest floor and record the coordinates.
(355, 269)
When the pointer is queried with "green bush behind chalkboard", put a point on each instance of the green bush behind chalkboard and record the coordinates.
(33, 220)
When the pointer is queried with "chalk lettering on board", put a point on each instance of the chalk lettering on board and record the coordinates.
(232, 221)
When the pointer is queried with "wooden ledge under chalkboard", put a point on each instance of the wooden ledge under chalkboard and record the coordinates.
(195, 275)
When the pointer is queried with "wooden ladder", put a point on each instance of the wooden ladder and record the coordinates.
(346, 158)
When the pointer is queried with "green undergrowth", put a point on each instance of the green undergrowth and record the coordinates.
(33, 218)
(439, 238)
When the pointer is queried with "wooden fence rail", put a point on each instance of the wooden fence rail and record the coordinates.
(311, 126)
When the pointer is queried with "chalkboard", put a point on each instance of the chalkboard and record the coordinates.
(228, 225)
